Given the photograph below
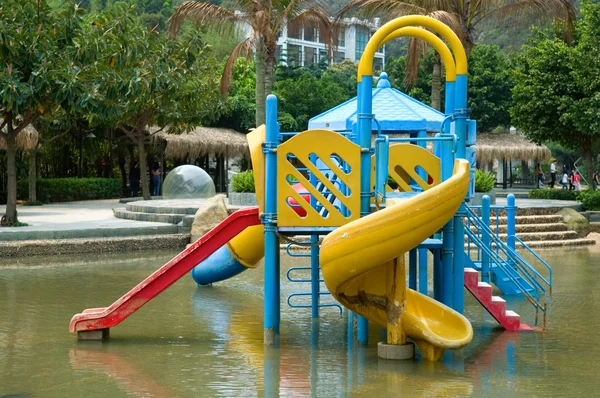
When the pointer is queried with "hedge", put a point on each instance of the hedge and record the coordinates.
(590, 200)
(553, 194)
(72, 189)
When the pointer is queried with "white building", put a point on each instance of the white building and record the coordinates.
(302, 46)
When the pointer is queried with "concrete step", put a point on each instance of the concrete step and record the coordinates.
(146, 207)
(552, 244)
(523, 228)
(520, 220)
(185, 219)
(93, 245)
(543, 236)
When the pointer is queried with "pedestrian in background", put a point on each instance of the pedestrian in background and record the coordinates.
(552, 174)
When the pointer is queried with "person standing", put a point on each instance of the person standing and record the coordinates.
(565, 180)
(577, 181)
(156, 172)
(571, 175)
(552, 174)
(595, 180)
(539, 174)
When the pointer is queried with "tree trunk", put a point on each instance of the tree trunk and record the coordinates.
(33, 175)
(143, 163)
(260, 84)
(436, 82)
(269, 71)
(10, 217)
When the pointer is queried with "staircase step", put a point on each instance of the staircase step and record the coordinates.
(537, 236)
(560, 243)
(169, 218)
(548, 219)
(524, 228)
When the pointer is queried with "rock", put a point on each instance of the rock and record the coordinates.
(595, 227)
(212, 212)
(575, 221)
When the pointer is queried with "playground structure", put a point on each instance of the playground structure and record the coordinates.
(322, 182)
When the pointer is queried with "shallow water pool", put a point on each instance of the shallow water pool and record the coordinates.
(205, 342)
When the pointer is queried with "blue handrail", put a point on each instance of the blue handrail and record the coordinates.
(544, 263)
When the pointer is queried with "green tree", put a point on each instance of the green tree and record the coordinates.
(489, 91)
(265, 19)
(463, 17)
(37, 75)
(151, 83)
(555, 97)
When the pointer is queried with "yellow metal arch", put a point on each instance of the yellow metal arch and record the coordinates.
(433, 41)
(365, 67)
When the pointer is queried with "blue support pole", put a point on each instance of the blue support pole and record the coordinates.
(314, 275)
(412, 269)
(458, 272)
(447, 160)
(350, 331)
(271, 275)
(460, 129)
(485, 238)
(437, 274)
(511, 220)
(365, 119)
(423, 271)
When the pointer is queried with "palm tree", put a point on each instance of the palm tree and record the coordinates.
(462, 16)
(266, 19)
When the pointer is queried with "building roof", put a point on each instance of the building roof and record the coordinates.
(500, 146)
(394, 110)
(26, 139)
(203, 141)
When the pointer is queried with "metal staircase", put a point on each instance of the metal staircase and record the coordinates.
(500, 264)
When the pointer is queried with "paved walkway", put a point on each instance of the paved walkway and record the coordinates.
(89, 219)
(541, 203)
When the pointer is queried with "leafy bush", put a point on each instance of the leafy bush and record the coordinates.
(590, 200)
(553, 194)
(243, 182)
(72, 189)
(484, 181)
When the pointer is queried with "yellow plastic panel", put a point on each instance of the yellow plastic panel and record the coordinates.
(255, 140)
(248, 247)
(403, 161)
(356, 259)
(324, 144)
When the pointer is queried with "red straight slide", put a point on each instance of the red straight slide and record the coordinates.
(165, 276)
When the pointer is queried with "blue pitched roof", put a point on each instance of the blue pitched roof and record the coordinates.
(394, 110)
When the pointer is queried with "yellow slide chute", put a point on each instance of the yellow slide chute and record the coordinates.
(363, 267)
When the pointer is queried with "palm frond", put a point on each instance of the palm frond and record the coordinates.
(385, 9)
(316, 18)
(524, 11)
(204, 14)
(244, 48)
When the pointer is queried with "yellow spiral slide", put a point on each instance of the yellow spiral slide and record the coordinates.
(363, 267)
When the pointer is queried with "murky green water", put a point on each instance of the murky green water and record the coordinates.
(192, 342)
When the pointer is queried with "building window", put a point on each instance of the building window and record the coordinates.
(378, 64)
(310, 33)
(362, 38)
(342, 37)
(310, 56)
(339, 56)
(323, 58)
(294, 55)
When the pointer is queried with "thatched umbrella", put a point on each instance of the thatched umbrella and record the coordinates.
(27, 139)
(203, 141)
(492, 147)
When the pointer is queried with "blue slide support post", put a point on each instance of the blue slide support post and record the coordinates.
(447, 160)
(365, 119)
(314, 275)
(423, 271)
(412, 269)
(460, 129)
(271, 274)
